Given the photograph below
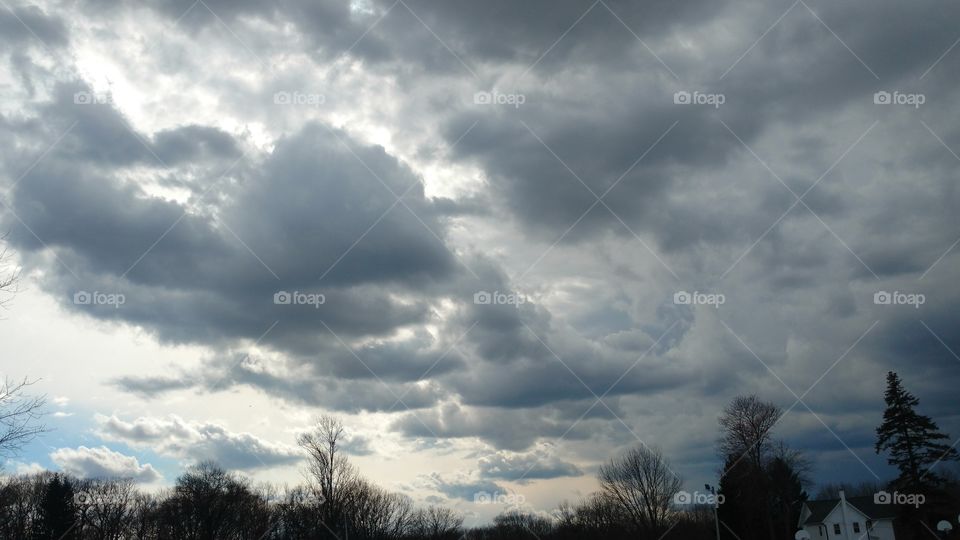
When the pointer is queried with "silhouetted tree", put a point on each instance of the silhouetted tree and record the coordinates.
(436, 523)
(742, 514)
(752, 479)
(786, 473)
(104, 508)
(912, 440)
(517, 524)
(643, 484)
(745, 427)
(330, 473)
(56, 518)
(209, 503)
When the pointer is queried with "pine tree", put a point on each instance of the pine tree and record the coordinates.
(56, 512)
(914, 441)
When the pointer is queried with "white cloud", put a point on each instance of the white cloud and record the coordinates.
(101, 462)
(19, 467)
(198, 441)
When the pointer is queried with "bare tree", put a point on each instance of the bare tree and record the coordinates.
(331, 475)
(19, 413)
(8, 282)
(745, 429)
(437, 523)
(641, 482)
(375, 513)
(106, 508)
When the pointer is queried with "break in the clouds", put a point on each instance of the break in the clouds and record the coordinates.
(486, 227)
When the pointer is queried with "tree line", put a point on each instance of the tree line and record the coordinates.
(763, 483)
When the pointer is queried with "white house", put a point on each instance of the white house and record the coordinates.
(856, 518)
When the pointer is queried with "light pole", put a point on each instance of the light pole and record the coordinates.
(716, 505)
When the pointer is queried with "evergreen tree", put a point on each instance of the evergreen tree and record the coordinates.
(786, 493)
(914, 441)
(56, 513)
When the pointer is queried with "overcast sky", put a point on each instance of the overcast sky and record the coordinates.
(503, 240)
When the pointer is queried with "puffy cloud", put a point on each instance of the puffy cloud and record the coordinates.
(198, 441)
(102, 462)
(519, 467)
(463, 486)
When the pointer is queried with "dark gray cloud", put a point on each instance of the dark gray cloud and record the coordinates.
(299, 380)
(32, 26)
(699, 186)
(525, 427)
(538, 464)
(466, 488)
(432, 36)
(179, 264)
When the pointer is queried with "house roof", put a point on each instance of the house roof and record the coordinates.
(819, 510)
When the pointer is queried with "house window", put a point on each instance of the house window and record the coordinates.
(836, 528)
(856, 526)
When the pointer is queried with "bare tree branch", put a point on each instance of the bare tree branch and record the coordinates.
(19, 415)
